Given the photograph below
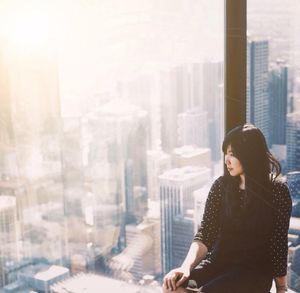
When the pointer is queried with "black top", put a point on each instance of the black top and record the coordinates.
(276, 246)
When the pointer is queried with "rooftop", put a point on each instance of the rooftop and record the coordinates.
(51, 273)
(7, 201)
(182, 174)
(188, 151)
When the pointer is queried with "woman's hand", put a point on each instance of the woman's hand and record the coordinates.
(175, 278)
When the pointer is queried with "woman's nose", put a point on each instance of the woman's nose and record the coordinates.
(227, 160)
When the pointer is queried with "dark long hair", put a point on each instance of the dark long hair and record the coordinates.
(260, 167)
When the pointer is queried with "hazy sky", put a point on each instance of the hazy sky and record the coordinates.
(107, 41)
(102, 41)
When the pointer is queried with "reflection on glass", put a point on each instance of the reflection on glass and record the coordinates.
(111, 120)
(273, 95)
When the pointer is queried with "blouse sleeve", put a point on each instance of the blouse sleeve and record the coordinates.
(210, 224)
(279, 237)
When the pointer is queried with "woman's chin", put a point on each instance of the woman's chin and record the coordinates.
(233, 174)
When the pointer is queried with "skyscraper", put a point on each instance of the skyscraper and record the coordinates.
(176, 195)
(192, 128)
(6, 127)
(8, 234)
(195, 89)
(292, 141)
(157, 163)
(142, 253)
(184, 227)
(114, 162)
(175, 98)
(257, 85)
(294, 270)
(293, 180)
(190, 155)
(212, 96)
(278, 96)
(30, 147)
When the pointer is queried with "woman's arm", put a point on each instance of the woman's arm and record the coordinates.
(279, 239)
(203, 240)
(281, 284)
(177, 276)
(196, 253)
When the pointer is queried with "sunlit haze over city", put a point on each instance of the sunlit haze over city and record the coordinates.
(111, 126)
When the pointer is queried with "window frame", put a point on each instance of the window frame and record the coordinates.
(235, 63)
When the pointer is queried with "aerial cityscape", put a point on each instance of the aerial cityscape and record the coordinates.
(110, 140)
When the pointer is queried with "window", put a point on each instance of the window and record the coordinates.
(111, 130)
(273, 93)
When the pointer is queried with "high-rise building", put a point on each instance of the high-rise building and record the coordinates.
(152, 258)
(142, 253)
(294, 270)
(8, 234)
(212, 97)
(30, 159)
(72, 165)
(192, 128)
(8, 224)
(175, 96)
(6, 127)
(157, 163)
(181, 91)
(114, 160)
(293, 181)
(278, 98)
(32, 84)
(292, 141)
(257, 85)
(190, 155)
(42, 280)
(176, 196)
(195, 89)
(144, 92)
(212, 79)
(182, 238)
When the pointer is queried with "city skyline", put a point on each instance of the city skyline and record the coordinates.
(94, 150)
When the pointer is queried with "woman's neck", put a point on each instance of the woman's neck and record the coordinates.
(242, 184)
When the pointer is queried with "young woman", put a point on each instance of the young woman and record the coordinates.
(241, 245)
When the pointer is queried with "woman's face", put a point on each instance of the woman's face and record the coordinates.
(233, 164)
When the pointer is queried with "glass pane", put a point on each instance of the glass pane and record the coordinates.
(273, 98)
(111, 124)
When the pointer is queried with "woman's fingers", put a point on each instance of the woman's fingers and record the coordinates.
(181, 280)
(170, 280)
(173, 280)
(165, 284)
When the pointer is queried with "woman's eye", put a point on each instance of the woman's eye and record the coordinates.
(230, 155)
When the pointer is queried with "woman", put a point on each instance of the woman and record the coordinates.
(241, 245)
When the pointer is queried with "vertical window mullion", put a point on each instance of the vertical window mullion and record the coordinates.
(235, 59)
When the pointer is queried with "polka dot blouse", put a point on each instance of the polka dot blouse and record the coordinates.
(278, 248)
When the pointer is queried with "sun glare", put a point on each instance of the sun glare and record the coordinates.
(31, 26)
(30, 30)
